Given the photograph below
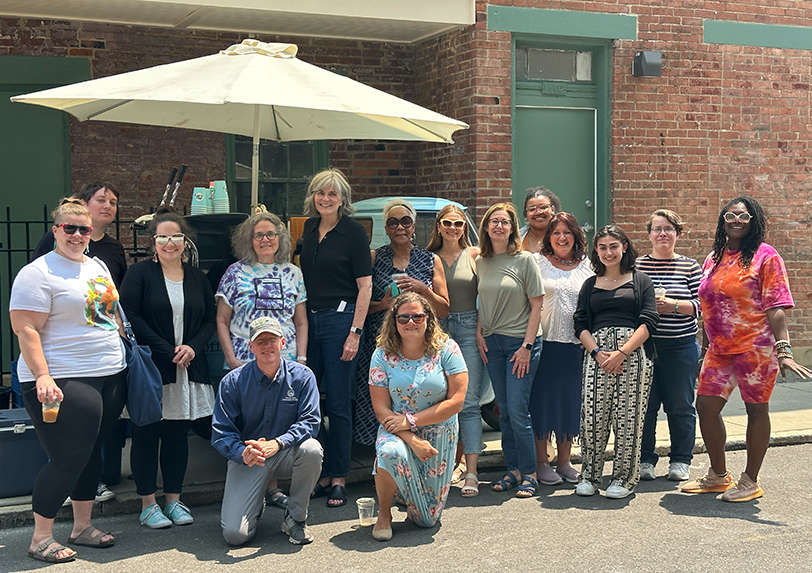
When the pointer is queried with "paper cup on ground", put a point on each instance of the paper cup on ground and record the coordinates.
(366, 511)
(50, 410)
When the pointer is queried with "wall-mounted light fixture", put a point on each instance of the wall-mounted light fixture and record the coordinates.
(647, 64)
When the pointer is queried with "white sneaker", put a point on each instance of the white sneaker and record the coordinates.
(647, 471)
(616, 490)
(678, 471)
(585, 488)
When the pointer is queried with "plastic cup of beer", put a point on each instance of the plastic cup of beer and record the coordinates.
(50, 410)
(366, 511)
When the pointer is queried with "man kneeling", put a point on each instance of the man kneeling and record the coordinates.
(265, 422)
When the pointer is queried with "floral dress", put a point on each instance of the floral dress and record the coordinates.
(420, 267)
(415, 385)
(261, 290)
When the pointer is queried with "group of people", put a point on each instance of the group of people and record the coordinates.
(395, 347)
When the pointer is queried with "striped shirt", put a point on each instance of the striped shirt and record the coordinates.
(680, 277)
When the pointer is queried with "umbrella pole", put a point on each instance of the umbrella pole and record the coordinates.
(255, 160)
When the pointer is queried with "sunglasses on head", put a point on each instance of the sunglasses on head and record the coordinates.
(163, 240)
(447, 223)
(405, 222)
(84, 230)
(743, 217)
(417, 318)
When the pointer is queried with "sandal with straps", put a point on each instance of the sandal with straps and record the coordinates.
(470, 490)
(50, 556)
(528, 488)
(507, 482)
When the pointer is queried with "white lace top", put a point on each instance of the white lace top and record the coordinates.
(561, 290)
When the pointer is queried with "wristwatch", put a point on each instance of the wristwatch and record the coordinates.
(527, 346)
(356, 330)
(594, 353)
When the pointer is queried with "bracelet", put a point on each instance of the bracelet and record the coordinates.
(623, 353)
(301, 359)
(412, 424)
(781, 344)
(785, 355)
(676, 306)
(279, 443)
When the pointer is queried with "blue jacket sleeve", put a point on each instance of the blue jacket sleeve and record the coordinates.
(225, 435)
(309, 417)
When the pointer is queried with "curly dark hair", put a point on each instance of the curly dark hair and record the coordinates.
(629, 257)
(580, 242)
(751, 241)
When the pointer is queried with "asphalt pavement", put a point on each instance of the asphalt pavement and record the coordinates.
(657, 529)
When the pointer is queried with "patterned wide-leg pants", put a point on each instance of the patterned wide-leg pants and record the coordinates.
(614, 402)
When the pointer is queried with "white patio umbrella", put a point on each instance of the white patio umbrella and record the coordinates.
(254, 89)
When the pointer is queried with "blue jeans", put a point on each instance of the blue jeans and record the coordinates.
(673, 386)
(461, 326)
(327, 332)
(513, 397)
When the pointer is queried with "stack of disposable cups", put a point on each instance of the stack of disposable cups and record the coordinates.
(220, 197)
(201, 201)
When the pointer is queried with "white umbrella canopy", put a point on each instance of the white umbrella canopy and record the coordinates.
(254, 89)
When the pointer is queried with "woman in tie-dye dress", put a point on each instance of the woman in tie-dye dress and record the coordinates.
(417, 381)
(744, 293)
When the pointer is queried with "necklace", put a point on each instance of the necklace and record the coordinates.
(563, 262)
(611, 280)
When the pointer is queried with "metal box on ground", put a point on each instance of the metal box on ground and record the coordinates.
(21, 455)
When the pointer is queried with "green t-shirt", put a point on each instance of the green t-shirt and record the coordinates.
(506, 283)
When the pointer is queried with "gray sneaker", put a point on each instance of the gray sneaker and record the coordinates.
(647, 471)
(297, 531)
(678, 471)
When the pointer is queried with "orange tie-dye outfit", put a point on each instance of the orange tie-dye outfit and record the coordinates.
(734, 302)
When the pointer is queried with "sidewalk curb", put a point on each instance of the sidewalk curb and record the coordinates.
(203, 494)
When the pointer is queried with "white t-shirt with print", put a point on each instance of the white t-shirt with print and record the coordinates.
(80, 336)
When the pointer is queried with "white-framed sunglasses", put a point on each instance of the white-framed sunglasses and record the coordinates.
(177, 239)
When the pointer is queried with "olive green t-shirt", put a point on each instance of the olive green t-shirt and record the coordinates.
(506, 283)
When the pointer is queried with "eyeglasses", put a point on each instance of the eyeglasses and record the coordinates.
(499, 223)
(163, 240)
(418, 318)
(541, 207)
(405, 222)
(730, 216)
(84, 230)
(447, 223)
(270, 235)
(666, 230)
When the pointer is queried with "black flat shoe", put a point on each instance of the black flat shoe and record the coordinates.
(338, 494)
(319, 491)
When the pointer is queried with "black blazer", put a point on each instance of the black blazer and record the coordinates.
(146, 302)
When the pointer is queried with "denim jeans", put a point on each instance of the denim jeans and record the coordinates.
(513, 397)
(461, 326)
(673, 386)
(327, 332)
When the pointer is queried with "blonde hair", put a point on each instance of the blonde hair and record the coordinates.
(514, 241)
(322, 180)
(436, 239)
(389, 338)
(70, 206)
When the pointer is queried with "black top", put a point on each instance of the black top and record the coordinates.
(146, 302)
(644, 312)
(107, 249)
(615, 307)
(331, 267)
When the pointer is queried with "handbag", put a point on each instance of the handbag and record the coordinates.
(145, 388)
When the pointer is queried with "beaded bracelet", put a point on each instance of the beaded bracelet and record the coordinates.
(780, 344)
(784, 355)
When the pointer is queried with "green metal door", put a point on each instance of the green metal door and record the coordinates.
(556, 147)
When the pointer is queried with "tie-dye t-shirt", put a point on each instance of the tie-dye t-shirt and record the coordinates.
(735, 300)
(262, 290)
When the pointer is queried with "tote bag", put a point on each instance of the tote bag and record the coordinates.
(144, 385)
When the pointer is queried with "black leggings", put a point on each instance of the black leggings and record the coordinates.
(87, 415)
(174, 446)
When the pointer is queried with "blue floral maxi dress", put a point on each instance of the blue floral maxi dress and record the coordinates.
(420, 267)
(415, 385)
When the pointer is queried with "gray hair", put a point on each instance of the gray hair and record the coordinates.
(242, 239)
(322, 180)
(399, 203)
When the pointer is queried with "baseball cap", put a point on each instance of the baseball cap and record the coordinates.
(264, 324)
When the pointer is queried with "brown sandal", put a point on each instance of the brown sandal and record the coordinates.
(50, 556)
(89, 540)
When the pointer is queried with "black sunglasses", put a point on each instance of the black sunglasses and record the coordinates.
(405, 222)
(417, 318)
(84, 230)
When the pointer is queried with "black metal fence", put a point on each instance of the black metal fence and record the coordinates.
(18, 239)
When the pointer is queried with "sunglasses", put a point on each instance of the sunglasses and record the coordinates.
(405, 222)
(743, 217)
(163, 240)
(418, 318)
(84, 230)
(270, 235)
(447, 223)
